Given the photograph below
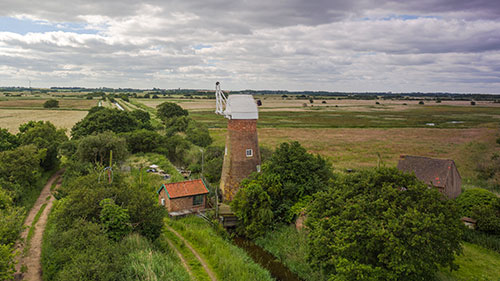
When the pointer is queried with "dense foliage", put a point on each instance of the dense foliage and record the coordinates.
(51, 103)
(45, 136)
(169, 110)
(100, 119)
(483, 206)
(287, 177)
(8, 141)
(96, 148)
(381, 224)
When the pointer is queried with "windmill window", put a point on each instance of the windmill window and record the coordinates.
(249, 152)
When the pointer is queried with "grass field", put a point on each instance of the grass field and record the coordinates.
(10, 119)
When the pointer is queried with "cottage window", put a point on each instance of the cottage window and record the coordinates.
(197, 200)
(249, 152)
(163, 201)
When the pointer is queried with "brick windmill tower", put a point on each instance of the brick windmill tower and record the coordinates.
(242, 154)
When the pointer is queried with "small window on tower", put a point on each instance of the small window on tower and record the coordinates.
(249, 152)
(225, 150)
(163, 201)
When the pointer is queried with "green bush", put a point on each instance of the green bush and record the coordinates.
(51, 103)
(475, 197)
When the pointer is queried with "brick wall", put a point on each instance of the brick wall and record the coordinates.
(241, 135)
(179, 204)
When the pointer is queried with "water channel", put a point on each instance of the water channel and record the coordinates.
(278, 271)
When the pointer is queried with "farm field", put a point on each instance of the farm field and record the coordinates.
(353, 148)
(10, 119)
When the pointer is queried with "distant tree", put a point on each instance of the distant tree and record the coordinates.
(146, 96)
(143, 117)
(168, 110)
(197, 133)
(46, 136)
(382, 224)
(155, 97)
(311, 100)
(143, 141)
(421, 102)
(51, 103)
(96, 148)
(8, 141)
(323, 102)
(176, 124)
(472, 103)
(100, 119)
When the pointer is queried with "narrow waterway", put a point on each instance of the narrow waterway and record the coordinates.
(279, 271)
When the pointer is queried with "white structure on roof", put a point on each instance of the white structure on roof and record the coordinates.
(235, 106)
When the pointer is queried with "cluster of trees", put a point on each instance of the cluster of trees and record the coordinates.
(23, 159)
(375, 224)
(85, 236)
(278, 193)
(483, 206)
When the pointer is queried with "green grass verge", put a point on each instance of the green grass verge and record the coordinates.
(31, 232)
(227, 260)
(194, 265)
(476, 264)
(290, 247)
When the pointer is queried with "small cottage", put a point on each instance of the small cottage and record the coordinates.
(184, 197)
(439, 173)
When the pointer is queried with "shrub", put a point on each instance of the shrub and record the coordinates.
(51, 103)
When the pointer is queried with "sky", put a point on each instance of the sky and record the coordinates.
(330, 45)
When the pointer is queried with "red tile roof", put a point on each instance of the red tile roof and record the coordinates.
(184, 188)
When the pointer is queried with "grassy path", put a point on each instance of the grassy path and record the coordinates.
(29, 267)
(181, 257)
(198, 257)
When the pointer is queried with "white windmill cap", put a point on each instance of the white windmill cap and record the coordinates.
(241, 107)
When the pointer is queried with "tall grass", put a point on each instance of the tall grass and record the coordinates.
(146, 264)
(487, 241)
(291, 248)
(227, 260)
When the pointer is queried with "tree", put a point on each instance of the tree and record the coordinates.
(96, 149)
(290, 174)
(8, 141)
(22, 165)
(143, 141)
(197, 133)
(252, 206)
(176, 124)
(115, 219)
(483, 206)
(45, 136)
(100, 120)
(168, 110)
(51, 103)
(143, 117)
(382, 224)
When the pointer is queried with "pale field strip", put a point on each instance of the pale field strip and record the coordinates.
(10, 119)
(38, 103)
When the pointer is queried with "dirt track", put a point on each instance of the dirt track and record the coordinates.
(32, 258)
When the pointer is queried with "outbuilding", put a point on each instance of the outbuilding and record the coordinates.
(183, 197)
(439, 173)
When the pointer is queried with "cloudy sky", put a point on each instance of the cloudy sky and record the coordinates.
(377, 45)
